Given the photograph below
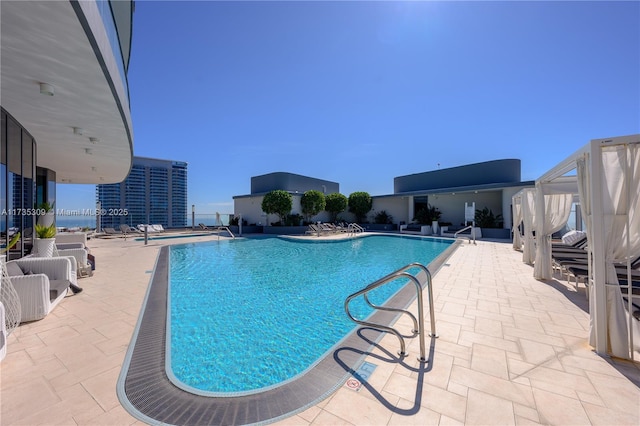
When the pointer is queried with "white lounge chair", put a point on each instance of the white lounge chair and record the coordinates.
(126, 229)
(41, 284)
(3, 334)
(81, 256)
(150, 228)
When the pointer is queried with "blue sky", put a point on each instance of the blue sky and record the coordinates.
(361, 92)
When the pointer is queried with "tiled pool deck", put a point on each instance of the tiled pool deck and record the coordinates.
(512, 350)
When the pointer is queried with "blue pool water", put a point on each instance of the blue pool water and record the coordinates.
(249, 314)
(169, 237)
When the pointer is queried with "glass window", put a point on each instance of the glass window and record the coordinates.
(27, 155)
(14, 146)
(420, 203)
(3, 181)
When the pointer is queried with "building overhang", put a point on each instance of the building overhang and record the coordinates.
(83, 132)
(461, 189)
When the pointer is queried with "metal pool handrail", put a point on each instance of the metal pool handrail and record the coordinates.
(418, 325)
(225, 228)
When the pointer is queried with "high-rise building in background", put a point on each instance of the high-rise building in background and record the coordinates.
(154, 192)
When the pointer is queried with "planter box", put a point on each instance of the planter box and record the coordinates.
(379, 226)
(497, 233)
(416, 229)
(283, 230)
(247, 229)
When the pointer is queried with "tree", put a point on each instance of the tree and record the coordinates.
(312, 203)
(360, 204)
(336, 203)
(278, 202)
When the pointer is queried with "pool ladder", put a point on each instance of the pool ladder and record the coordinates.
(354, 228)
(418, 326)
(224, 228)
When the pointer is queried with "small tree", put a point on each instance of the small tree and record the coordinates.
(335, 204)
(312, 203)
(278, 202)
(360, 203)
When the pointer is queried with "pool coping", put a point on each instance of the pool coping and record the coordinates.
(146, 392)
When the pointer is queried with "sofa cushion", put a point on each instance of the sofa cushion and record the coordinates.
(13, 269)
(56, 287)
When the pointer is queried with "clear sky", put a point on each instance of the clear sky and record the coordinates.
(361, 92)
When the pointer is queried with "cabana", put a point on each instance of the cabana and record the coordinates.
(607, 182)
(554, 208)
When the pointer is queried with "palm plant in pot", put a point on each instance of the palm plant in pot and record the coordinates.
(45, 242)
(46, 214)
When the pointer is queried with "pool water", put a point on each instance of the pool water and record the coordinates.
(249, 314)
(169, 237)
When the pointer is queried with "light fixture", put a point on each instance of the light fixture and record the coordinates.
(46, 89)
(88, 151)
(77, 131)
(94, 140)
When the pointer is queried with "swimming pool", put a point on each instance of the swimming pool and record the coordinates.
(170, 237)
(145, 391)
(251, 314)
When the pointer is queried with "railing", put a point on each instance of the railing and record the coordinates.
(354, 228)
(224, 228)
(418, 324)
(473, 234)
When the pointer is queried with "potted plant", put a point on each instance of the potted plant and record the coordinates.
(46, 214)
(45, 242)
(428, 217)
(490, 224)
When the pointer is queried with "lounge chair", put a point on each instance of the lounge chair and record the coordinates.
(82, 267)
(581, 243)
(328, 228)
(157, 228)
(313, 229)
(3, 333)
(108, 233)
(148, 228)
(126, 229)
(41, 283)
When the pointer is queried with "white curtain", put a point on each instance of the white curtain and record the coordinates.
(620, 182)
(584, 192)
(516, 203)
(529, 221)
(554, 214)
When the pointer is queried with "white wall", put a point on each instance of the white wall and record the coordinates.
(451, 206)
(395, 206)
(251, 210)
